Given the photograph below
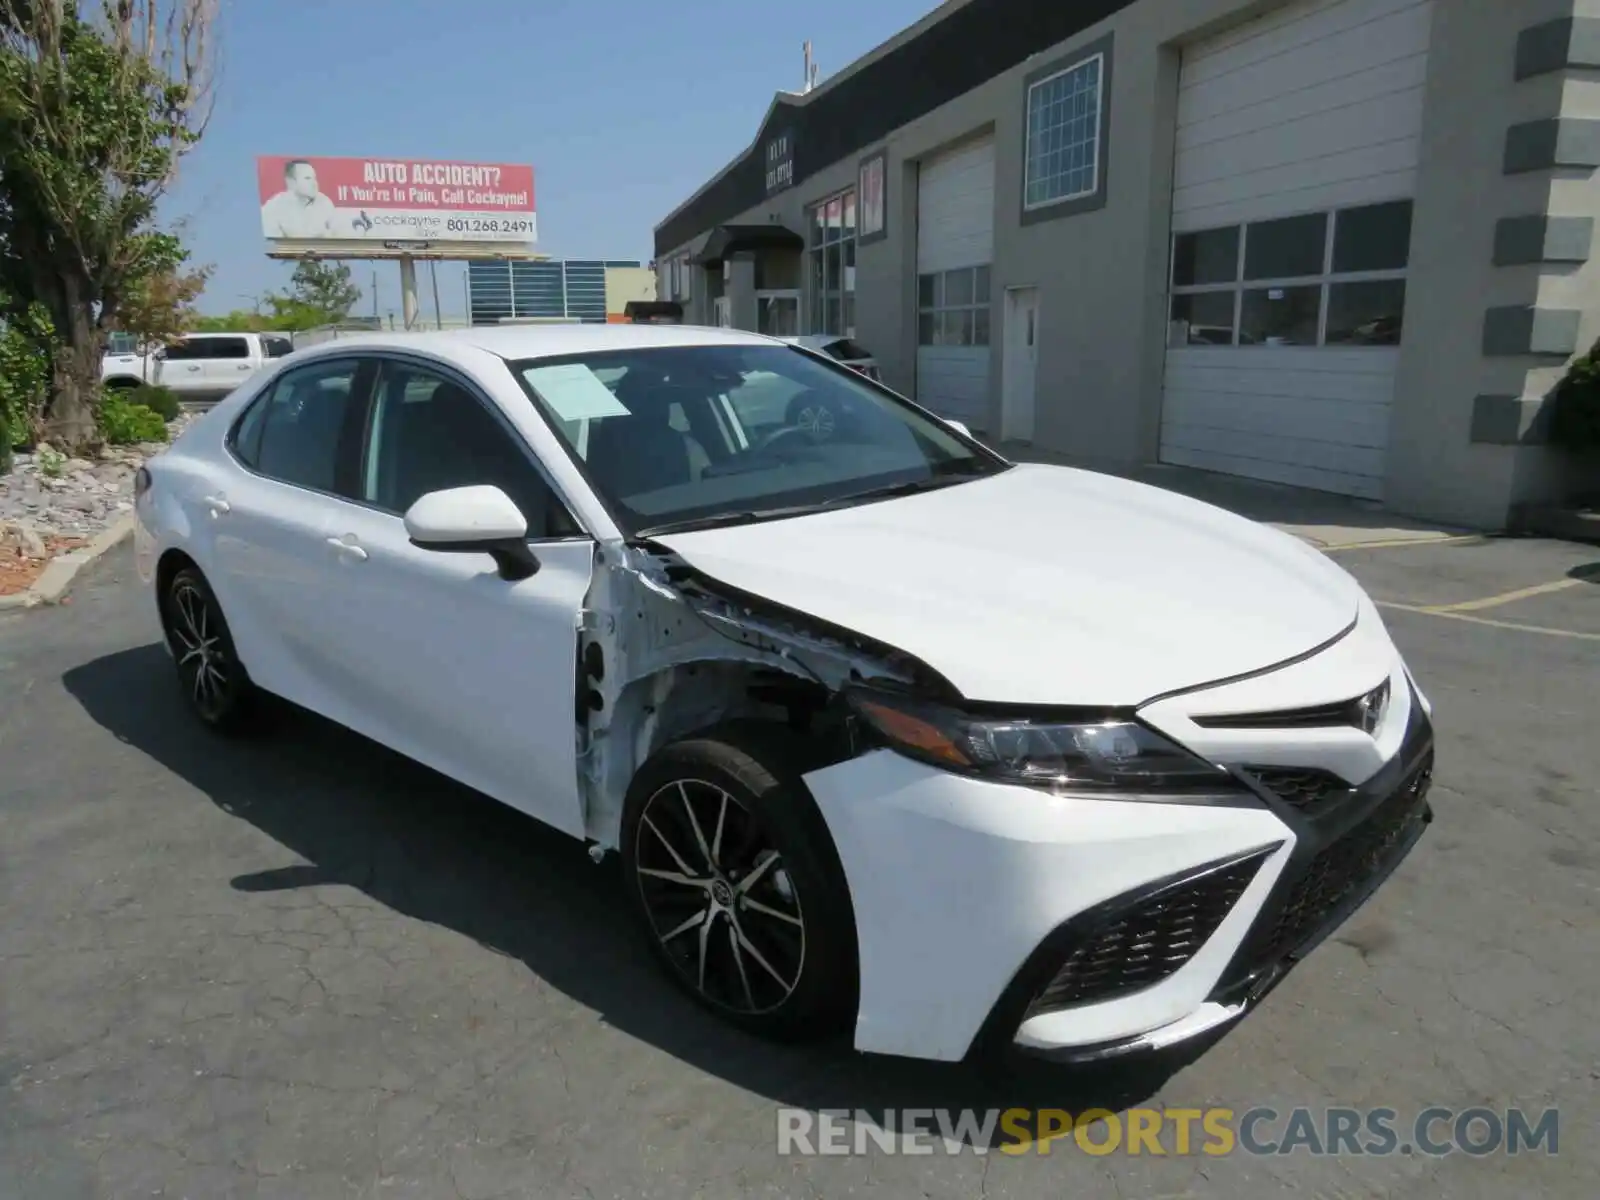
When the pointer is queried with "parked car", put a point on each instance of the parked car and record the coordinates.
(807, 412)
(207, 366)
(890, 733)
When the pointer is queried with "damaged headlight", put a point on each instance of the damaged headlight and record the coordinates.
(1093, 755)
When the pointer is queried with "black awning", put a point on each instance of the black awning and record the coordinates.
(731, 239)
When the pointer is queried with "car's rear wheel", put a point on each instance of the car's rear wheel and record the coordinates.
(214, 682)
(737, 886)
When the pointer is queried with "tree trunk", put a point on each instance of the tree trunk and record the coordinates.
(70, 423)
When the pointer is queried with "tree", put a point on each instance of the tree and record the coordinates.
(99, 101)
(325, 288)
(160, 307)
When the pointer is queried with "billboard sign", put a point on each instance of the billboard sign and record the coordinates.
(381, 200)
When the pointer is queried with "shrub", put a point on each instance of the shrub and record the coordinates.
(123, 423)
(157, 399)
(1575, 419)
(24, 375)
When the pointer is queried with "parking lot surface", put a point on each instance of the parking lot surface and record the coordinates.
(302, 967)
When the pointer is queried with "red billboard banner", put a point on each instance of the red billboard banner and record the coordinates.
(379, 199)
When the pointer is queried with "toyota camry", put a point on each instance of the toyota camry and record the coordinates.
(894, 737)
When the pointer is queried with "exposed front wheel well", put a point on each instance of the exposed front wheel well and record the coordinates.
(122, 383)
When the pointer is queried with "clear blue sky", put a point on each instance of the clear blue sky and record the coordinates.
(623, 107)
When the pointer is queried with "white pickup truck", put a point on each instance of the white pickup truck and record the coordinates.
(199, 367)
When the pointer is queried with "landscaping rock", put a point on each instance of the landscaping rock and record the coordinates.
(54, 496)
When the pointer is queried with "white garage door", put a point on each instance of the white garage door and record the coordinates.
(955, 245)
(1296, 159)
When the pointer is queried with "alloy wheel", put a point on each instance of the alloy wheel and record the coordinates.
(718, 898)
(200, 649)
(817, 421)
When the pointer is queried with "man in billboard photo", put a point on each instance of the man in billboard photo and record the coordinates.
(300, 210)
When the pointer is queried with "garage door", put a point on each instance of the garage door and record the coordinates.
(1296, 159)
(955, 245)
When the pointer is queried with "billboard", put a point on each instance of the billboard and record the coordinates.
(376, 200)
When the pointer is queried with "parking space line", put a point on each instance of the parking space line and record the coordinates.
(1538, 589)
(1397, 543)
(1460, 616)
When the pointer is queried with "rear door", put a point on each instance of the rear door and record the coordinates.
(292, 456)
(228, 360)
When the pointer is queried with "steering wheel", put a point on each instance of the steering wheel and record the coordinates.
(780, 437)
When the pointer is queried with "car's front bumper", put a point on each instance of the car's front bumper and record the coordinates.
(991, 917)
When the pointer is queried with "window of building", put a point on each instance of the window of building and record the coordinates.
(1062, 159)
(953, 307)
(831, 265)
(1335, 278)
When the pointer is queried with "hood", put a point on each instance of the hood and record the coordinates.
(1046, 585)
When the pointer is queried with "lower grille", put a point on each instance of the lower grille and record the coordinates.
(1144, 943)
(1307, 790)
(1339, 871)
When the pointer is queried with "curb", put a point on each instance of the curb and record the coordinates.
(58, 575)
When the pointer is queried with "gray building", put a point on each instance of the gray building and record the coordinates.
(1341, 244)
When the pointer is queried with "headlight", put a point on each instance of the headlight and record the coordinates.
(1118, 754)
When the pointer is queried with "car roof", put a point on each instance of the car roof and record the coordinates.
(542, 341)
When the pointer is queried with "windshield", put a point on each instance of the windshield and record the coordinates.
(688, 436)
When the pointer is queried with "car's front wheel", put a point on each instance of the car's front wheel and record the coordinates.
(213, 680)
(737, 886)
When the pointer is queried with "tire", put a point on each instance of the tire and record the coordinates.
(772, 888)
(213, 680)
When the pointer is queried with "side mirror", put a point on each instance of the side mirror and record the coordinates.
(474, 520)
(959, 426)
(160, 352)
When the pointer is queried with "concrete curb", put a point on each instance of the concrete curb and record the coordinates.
(58, 575)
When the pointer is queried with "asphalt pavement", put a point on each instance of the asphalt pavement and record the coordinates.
(300, 966)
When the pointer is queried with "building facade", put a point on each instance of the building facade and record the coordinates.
(1340, 244)
(550, 289)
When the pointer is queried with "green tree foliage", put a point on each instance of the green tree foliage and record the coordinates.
(99, 100)
(325, 288)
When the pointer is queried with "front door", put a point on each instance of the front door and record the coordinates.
(724, 312)
(449, 663)
(778, 313)
(1019, 371)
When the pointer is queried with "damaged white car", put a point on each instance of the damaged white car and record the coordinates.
(893, 736)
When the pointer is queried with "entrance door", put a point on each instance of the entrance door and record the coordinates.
(778, 313)
(1020, 367)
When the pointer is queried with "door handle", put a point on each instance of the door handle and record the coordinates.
(217, 505)
(244, 366)
(349, 549)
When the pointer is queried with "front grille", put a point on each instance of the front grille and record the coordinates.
(1340, 870)
(1139, 946)
(1307, 790)
(1360, 712)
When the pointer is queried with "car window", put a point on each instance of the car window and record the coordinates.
(277, 347)
(179, 351)
(122, 343)
(429, 433)
(691, 433)
(293, 432)
(226, 347)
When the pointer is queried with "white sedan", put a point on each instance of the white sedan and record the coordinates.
(893, 735)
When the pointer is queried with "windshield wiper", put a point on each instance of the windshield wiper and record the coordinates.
(722, 520)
